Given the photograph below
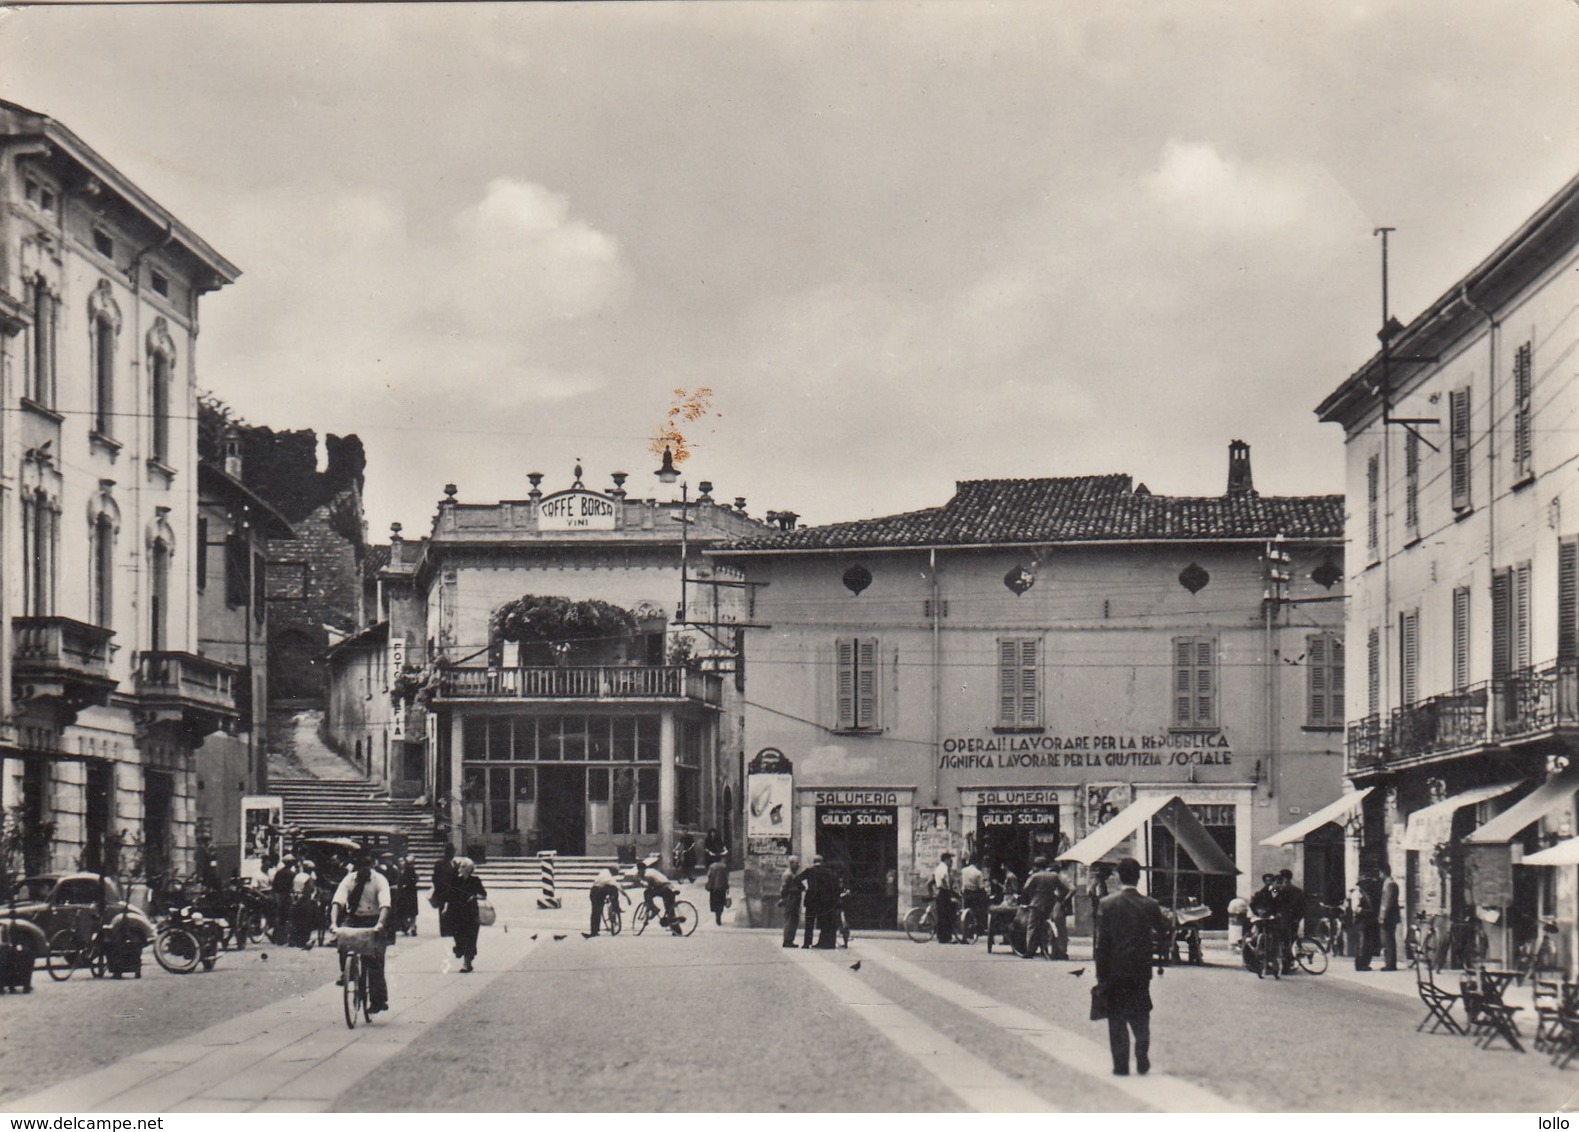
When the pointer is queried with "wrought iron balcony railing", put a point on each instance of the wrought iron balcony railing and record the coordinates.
(573, 683)
(1534, 702)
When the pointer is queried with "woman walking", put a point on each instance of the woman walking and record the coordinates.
(718, 889)
(458, 918)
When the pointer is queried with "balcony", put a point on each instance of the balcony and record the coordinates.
(657, 682)
(193, 692)
(1363, 745)
(1531, 704)
(56, 658)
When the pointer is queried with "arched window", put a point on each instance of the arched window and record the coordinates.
(158, 594)
(102, 596)
(41, 384)
(104, 524)
(40, 532)
(161, 368)
(104, 320)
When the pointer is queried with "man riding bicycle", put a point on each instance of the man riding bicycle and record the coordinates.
(656, 884)
(1264, 908)
(363, 901)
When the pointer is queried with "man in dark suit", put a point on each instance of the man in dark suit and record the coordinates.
(1387, 917)
(822, 903)
(1126, 933)
(789, 900)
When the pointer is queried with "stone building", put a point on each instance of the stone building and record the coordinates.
(1464, 574)
(1004, 673)
(105, 690)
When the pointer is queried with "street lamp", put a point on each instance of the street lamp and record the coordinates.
(668, 474)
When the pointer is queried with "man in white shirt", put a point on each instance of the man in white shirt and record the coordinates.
(943, 896)
(363, 901)
(605, 887)
(973, 892)
(656, 884)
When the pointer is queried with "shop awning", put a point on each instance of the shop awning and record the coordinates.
(1545, 798)
(1433, 825)
(1563, 853)
(1303, 828)
(1175, 816)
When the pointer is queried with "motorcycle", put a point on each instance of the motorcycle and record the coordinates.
(188, 938)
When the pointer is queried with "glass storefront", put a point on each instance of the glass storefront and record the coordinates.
(861, 844)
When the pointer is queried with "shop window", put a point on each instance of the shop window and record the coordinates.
(624, 801)
(856, 684)
(474, 739)
(525, 738)
(1194, 682)
(645, 818)
(499, 745)
(1324, 680)
(599, 737)
(573, 738)
(598, 784)
(647, 738)
(501, 808)
(1019, 683)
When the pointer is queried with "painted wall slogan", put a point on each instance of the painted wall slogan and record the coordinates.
(1003, 752)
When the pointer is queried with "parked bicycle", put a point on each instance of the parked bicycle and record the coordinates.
(614, 914)
(1326, 927)
(684, 922)
(1541, 955)
(187, 939)
(921, 924)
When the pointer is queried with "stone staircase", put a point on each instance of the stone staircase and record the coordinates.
(525, 872)
(345, 807)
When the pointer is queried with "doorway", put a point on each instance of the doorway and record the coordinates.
(1014, 836)
(562, 809)
(861, 844)
(1324, 877)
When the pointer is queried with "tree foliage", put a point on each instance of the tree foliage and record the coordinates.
(536, 618)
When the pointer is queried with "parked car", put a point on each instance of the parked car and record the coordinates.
(42, 905)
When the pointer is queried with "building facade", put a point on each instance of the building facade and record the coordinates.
(1459, 442)
(107, 694)
(609, 745)
(1002, 674)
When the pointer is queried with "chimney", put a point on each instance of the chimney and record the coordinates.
(1239, 479)
(396, 545)
(232, 453)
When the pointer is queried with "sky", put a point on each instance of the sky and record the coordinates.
(896, 244)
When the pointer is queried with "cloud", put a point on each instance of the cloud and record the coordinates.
(1196, 185)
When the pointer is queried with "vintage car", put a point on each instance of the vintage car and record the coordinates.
(43, 905)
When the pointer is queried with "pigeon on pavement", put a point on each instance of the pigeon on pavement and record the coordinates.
(559, 937)
(1078, 971)
(534, 935)
(856, 966)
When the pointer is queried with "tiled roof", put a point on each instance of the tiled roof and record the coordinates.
(377, 558)
(1073, 509)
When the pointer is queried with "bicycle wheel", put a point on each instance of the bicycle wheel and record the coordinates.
(639, 919)
(685, 917)
(918, 924)
(1311, 956)
(613, 921)
(1250, 952)
(1270, 963)
(969, 927)
(351, 990)
(258, 927)
(177, 951)
(96, 957)
(66, 954)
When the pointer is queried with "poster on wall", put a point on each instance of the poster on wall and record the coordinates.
(932, 836)
(262, 832)
(770, 803)
(1104, 801)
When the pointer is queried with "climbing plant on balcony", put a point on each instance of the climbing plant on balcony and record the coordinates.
(535, 619)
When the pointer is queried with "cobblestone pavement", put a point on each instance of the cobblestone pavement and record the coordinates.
(728, 1020)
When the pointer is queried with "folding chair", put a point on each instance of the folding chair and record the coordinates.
(1489, 1017)
(1548, 1013)
(1438, 1002)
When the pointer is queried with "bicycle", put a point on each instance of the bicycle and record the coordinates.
(683, 924)
(186, 940)
(69, 953)
(921, 924)
(1310, 955)
(1260, 950)
(613, 913)
(356, 945)
(1326, 928)
(1540, 955)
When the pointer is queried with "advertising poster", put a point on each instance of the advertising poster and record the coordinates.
(932, 836)
(770, 803)
(262, 832)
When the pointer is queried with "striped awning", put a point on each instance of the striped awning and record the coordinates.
(1431, 826)
(1555, 792)
(1333, 812)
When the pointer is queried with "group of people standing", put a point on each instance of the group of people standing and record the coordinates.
(301, 894)
(818, 892)
(996, 896)
(1373, 913)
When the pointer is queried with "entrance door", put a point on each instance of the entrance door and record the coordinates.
(861, 844)
(562, 809)
(158, 847)
(1324, 879)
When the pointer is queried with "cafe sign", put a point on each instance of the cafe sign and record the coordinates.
(575, 510)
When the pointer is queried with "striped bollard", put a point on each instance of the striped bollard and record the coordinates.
(545, 865)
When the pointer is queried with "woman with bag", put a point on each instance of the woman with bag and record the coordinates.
(461, 915)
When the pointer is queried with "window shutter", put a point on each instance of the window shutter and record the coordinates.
(844, 687)
(1373, 671)
(1521, 615)
(1316, 680)
(866, 683)
(1567, 599)
(1205, 683)
(1458, 435)
(1501, 655)
(1030, 685)
(1008, 683)
(1181, 682)
(1335, 677)
(1461, 638)
(1412, 480)
(236, 559)
(1521, 410)
(1373, 481)
(1409, 656)
(202, 553)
